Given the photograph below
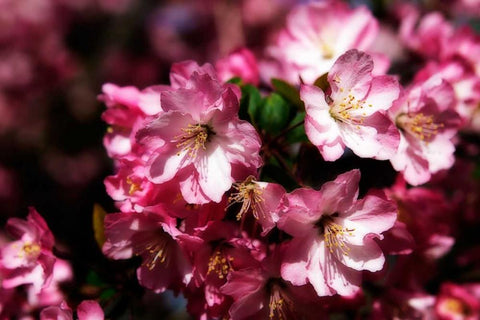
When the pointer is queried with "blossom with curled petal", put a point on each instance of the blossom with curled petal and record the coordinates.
(352, 114)
(333, 235)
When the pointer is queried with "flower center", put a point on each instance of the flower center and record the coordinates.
(193, 138)
(133, 186)
(347, 111)
(455, 307)
(334, 234)
(419, 125)
(280, 305)
(249, 194)
(31, 250)
(156, 252)
(219, 264)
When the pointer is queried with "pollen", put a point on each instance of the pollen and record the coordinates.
(156, 252)
(133, 186)
(280, 305)
(350, 110)
(419, 125)
(249, 194)
(219, 264)
(31, 250)
(194, 138)
(334, 234)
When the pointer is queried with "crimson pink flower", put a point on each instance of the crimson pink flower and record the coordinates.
(455, 302)
(259, 292)
(86, 310)
(199, 141)
(315, 36)
(427, 123)
(29, 258)
(352, 114)
(155, 238)
(333, 235)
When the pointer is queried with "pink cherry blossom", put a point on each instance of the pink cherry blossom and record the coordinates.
(240, 63)
(333, 235)
(155, 238)
(352, 114)
(465, 83)
(456, 302)
(315, 36)
(259, 292)
(28, 259)
(427, 123)
(199, 140)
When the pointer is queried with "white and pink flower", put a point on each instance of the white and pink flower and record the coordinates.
(199, 141)
(352, 114)
(315, 36)
(333, 235)
(427, 123)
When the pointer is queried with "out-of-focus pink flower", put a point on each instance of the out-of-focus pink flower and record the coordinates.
(61, 312)
(90, 310)
(28, 259)
(86, 310)
(240, 63)
(427, 216)
(352, 114)
(155, 238)
(52, 294)
(465, 83)
(427, 123)
(315, 36)
(333, 235)
(199, 140)
(455, 302)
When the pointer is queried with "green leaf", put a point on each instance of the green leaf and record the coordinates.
(250, 103)
(107, 294)
(275, 114)
(289, 92)
(98, 226)
(94, 279)
(236, 80)
(297, 134)
(322, 82)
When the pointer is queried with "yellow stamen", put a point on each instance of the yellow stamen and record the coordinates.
(249, 194)
(280, 305)
(343, 111)
(133, 186)
(219, 264)
(419, 125)
(334, 234)
(194, 138)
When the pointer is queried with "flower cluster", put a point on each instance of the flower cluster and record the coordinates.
(331, 173)
(212, 202)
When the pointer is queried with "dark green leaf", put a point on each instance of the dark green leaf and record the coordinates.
(250, 103)
(289, 92)
(298, 133)
(275, 114)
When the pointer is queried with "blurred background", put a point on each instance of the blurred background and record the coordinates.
(54, 57)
